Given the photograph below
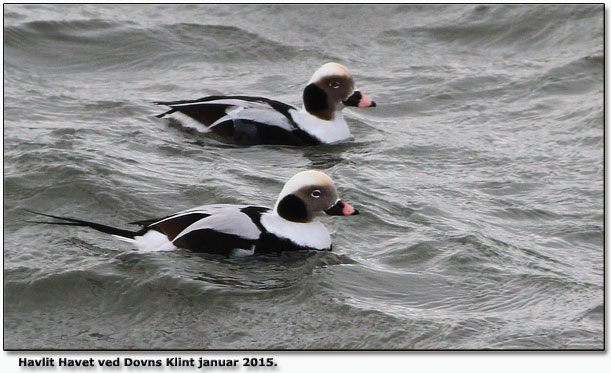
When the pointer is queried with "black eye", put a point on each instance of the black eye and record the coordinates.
(334, 84)
(316, 193)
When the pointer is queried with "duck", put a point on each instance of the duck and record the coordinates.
(240, 230)
(252, 120)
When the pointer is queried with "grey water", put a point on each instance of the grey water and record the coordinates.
(479, 177)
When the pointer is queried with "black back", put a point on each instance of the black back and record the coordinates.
(240, 131)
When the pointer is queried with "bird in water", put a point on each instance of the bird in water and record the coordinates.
(241, 230)
(251, 120)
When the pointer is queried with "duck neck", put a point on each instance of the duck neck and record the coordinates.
(322, 114)
(316, 102)
(292, 209)
(326, 115)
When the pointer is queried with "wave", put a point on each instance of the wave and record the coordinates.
(104, 45)
(510, 27)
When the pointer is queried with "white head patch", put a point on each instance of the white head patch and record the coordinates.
(330, 69)
(305, 178)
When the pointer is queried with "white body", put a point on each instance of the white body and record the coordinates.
(229, 219)
(327, 131)
(313, 235)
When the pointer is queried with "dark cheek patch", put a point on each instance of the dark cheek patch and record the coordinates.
(292, 208)
(314, 98)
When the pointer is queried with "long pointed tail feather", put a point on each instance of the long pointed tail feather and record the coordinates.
(165, 113)
(83, 223)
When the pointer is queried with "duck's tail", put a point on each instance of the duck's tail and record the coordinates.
(171, 111)
(117, 232)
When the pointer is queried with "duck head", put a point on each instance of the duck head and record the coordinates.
(309, 194)
(330, 89)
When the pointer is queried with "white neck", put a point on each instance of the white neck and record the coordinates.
(327, 131)
(312, 235)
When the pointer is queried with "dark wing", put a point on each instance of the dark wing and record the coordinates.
(173, 225)
(215, 229)
(244, 120)
(209, 110)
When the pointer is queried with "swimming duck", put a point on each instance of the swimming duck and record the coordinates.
(250, 120)
(241, 230)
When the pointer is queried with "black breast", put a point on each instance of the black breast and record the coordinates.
(270, 243)
(250, 132)
(213, 242)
